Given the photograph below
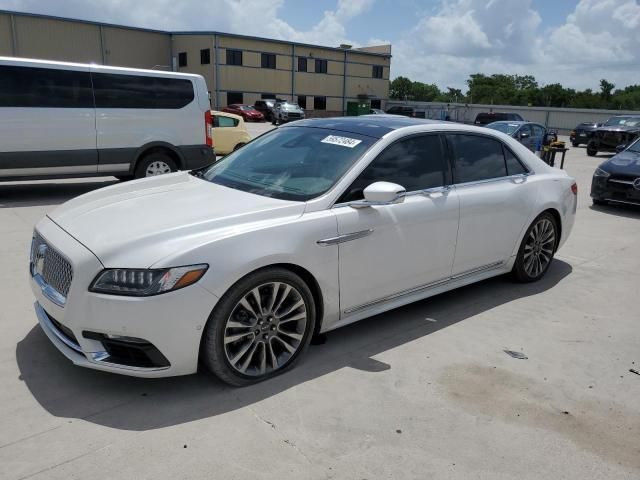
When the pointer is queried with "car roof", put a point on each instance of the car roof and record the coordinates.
(511, 122)
(370, 125)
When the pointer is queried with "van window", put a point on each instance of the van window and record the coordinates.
(136, 91)
(44, 87)
(220, 121)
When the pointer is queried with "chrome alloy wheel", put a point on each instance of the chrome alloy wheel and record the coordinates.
(265, 329)
(538, 251)
(157, 168)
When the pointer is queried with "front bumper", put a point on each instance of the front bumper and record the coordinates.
(614, 189)
(83, 328)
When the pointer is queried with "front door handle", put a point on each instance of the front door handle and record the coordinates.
(436, 192)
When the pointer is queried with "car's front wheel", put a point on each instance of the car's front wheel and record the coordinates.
(259, 328)
(591, 150)
(537, 249)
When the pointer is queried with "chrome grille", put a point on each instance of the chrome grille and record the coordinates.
(47, 262)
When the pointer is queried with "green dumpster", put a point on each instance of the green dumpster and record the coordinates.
(358, 108)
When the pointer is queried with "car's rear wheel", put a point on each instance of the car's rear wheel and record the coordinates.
(259, 328)
(591, 150)
(537, 249)
(156, 163)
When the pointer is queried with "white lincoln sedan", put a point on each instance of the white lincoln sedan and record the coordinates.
(310, 227)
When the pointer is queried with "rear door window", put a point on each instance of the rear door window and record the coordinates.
(137, 91)
(44, 88)
(476, 158)
(514, 167)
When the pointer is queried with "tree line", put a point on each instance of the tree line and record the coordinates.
(521, 90)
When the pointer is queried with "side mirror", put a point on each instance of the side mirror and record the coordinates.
(381, 193)
(621, 148)
(523, 135)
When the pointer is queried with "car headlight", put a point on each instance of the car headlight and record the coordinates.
(601, 173)
(144, 282)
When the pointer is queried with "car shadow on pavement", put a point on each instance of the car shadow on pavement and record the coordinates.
(135, 404)
(46, 193)
(619, 210)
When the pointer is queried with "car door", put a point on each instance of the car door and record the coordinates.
(388, 250)
(496, 200)
(538, 135)
(225, 135)
(525, 137)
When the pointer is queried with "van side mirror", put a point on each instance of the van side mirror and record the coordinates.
(381, 193)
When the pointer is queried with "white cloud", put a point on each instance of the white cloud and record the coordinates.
(598, 40)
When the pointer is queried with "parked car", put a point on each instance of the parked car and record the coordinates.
(376, 111)
(617, 179)
(229, 132)
(239, 264)
(265, 107)
(247, 112)
(531, 135)
(490, 117)
(284, 112)
(582, 133)
(618, 130)
(406, 111)
(72, 120)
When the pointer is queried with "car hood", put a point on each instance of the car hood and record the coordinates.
(137, 223)
(617, 128)
(624, 163)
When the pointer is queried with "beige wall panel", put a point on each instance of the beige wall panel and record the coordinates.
(304, 51)
(258, 45)
(57, 40)
(284, 62)
(384, 49)
(137, 49)
(250, 98)
(192, 44)
(250, 59)
(241, 79)
(334, 104)
(6, 41)
(369, 86)
(368, 59)
(335, 68)
(318, 84)
(358, 70)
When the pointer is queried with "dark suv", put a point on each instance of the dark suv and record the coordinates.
(490, 117)
(582, 133)
(618, 130)
(405, 111)
(265, 106)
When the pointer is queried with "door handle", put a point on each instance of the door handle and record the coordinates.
(519, 180)
(437, 193)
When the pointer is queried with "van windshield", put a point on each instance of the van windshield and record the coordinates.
(291, 163)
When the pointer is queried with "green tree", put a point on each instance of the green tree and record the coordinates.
(400, 88)
(605, 89)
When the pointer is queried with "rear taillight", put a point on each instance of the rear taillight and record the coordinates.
(574, 188)
(208, 127)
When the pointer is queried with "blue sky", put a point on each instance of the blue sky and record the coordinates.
(573, 42)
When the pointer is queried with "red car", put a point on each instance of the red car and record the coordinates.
(248, 112)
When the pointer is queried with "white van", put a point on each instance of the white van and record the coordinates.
(73, 120)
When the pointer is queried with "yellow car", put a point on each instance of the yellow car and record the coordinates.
(229, 132)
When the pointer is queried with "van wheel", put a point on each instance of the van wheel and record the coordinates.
(155, 164)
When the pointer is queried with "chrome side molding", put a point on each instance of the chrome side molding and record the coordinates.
(347, 237)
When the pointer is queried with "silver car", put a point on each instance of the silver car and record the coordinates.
(284, 112)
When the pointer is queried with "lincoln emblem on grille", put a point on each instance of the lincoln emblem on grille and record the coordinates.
(38, 262)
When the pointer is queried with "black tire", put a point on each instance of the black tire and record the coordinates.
(591, 150)
(238, 146)
(575, 144)
(157, 158)
(522, 270)
(124, 178)
(599, 202)
(213, 353)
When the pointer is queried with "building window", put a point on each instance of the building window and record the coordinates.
(377, 71)
(205, 56)
(302, 101)
(267, 95)
(376, 104)
(234, 57)
(268, 60)
(234, 97)
(319, 103)
(182, 59)
(302, 64)
(321, 66)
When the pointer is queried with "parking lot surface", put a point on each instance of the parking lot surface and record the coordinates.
(424, 391)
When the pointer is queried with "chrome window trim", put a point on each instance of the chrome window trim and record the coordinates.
(495, 179)
(443, 281)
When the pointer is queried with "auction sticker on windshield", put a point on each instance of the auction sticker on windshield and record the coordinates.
(342, 141)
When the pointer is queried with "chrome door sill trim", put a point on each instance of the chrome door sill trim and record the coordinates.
(421, 288)
(347, 237)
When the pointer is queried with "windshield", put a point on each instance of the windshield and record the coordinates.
(246, 107)
(623, 121)
(292, 163)
(289, 106)
(507, 128)
(635, 146)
